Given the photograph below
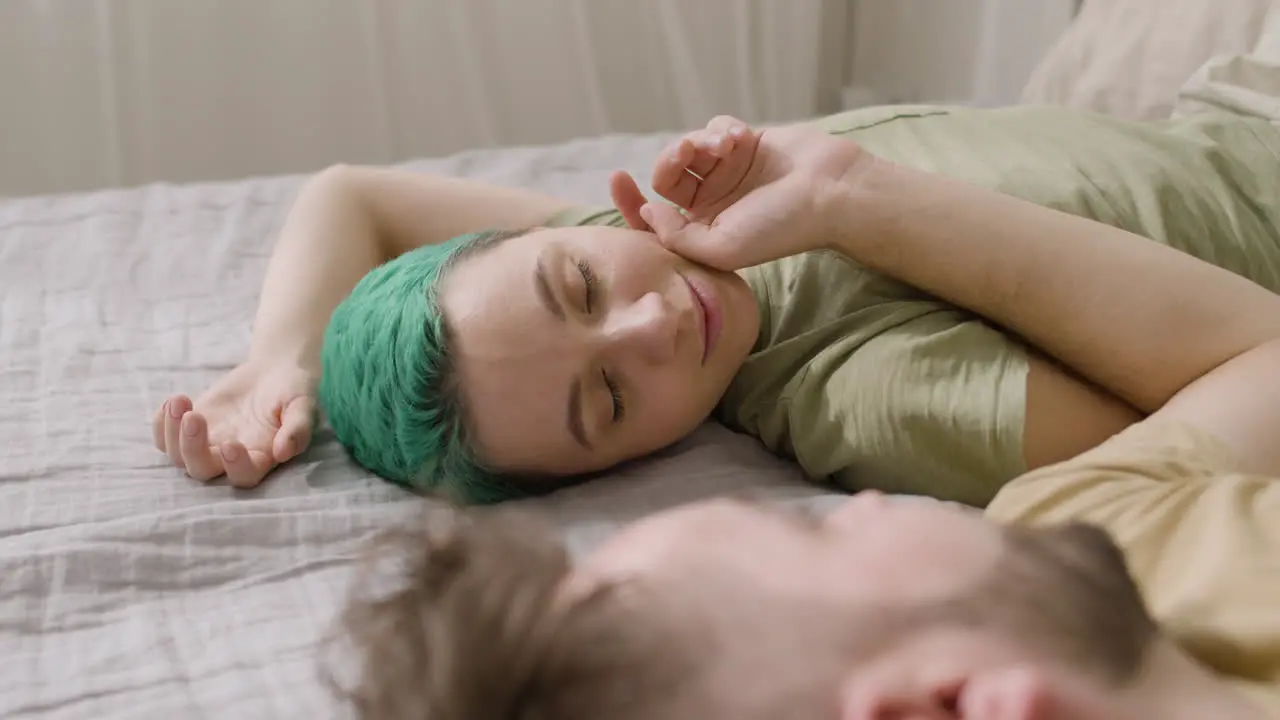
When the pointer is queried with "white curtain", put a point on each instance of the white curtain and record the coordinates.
(972, 52)
(98, 93)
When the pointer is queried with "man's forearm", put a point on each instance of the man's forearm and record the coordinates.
(1140, 319)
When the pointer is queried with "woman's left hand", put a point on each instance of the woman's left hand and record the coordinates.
(749, 196)
(250, 420)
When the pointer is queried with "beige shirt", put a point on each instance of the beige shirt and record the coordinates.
(1202, 540)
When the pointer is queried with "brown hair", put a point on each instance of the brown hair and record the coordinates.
(1062, 592)
(1067, 591)
(479, 626)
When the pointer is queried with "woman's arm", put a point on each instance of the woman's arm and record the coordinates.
(786, 172)
(1066, 415)
(1139, 319)
(347, 221)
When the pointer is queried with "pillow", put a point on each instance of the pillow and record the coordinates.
(1129, 58)
(1241, 84)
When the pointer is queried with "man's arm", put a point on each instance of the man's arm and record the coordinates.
(1239, 403)
(347, 221)
(1139, 319)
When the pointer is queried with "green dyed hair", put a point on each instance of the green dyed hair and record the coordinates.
(388, 384)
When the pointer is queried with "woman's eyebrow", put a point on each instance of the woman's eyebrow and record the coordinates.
(543, 289)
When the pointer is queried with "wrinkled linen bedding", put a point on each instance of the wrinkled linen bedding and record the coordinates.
(130, 591)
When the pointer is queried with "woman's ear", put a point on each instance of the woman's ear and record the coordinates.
(628, 199)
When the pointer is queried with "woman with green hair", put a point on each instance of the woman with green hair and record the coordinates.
(485, 343)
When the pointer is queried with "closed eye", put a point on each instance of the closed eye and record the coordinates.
(619, 409)
(589, 283)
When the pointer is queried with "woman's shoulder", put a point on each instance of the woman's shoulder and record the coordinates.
(824, 284)
(579, 215)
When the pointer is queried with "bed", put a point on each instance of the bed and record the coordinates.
(130, 591)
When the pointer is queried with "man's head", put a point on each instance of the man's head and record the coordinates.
(530, 356)
(885, 608)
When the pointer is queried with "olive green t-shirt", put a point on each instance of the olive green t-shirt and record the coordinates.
(870, 383)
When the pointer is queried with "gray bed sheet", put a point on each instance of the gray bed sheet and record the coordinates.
(130, 591)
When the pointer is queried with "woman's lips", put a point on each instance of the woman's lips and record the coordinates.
(710, 315)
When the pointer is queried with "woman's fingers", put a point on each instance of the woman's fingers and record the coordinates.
(709, 147)
(709, 150)
(177, 406)
(671, 177)
(688, 161)
(245, 468)
(692, 240)
(295, 429)
(739, 143)
(732, 169)
(706, 166)
(728, 125)
(201, 462)
(628, 199)
(157, 426)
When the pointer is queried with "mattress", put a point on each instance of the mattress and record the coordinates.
(130, 591)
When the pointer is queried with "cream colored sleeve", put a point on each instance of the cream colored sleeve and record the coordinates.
(1265, 695)
(1202, 540)
(1103, 486)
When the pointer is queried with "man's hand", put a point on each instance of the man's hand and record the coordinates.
(253, 418)
(748, 196)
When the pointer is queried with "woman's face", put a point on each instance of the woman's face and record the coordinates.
(579, 348)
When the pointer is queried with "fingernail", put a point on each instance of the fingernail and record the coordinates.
(230, 454)
(189, 427)
(290, 447)
(173, 410)
(738, 131)
(646, 213)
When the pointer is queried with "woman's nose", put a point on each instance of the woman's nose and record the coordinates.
(647, 330)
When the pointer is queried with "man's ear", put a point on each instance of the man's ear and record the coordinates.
(628, 199)
(1001, 694)
(880, 697)
(1014, 694)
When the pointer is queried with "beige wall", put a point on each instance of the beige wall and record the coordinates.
(967, 51)
(130, 91)
(123, 92)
